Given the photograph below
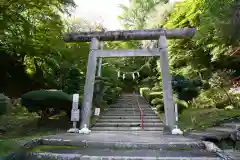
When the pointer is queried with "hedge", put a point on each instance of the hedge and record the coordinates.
(4, 104)
(43, 99)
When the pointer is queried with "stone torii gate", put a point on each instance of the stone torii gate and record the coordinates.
(157, 34)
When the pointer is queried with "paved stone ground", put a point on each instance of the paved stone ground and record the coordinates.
(123, 140)
(119, 145)
(117, 135)
(122, 146)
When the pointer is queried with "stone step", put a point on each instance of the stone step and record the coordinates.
(235, 154)
(206, 135)
(234, 125)
(128, 106)
(127, 117)
(120, 139)
(121, 154)
(128, 120)
(222, 129)
(129, 109)
(121, 124)
(128, 114)
(127, 98)
(137, 133)
(123, 105)
(95, 128)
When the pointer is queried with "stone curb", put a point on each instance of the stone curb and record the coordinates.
(53, 156)
(211, 147)
(97, 144)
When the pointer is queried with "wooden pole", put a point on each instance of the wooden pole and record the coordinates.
(123, 35)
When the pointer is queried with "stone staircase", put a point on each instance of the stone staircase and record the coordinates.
(125, 116)
(117, 135)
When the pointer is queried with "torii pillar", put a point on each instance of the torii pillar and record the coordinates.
(157, 34)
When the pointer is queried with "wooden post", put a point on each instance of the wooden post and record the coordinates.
(170, 119)
(89, 84)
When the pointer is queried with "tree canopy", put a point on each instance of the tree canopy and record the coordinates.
(34, 55)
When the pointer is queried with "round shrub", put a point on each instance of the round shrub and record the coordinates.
(156, 88)
(5, 102)
(157, 101)
(160, 108)
(154, 95)
(181, 105)
(43, 100)
(145, 93)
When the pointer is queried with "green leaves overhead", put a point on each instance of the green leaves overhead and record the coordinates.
(135, 16)
(31, 34)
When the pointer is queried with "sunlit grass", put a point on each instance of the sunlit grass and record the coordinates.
(201, 119)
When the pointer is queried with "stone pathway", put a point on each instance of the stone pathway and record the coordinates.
(118, 145)
(117, 135)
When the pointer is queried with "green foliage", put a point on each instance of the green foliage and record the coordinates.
(135, 16)
(205, 118)
(111, 93)
(43, 100)
(156, 88)
(153, 95)
(160, 108)
(34, 54)
(145, 93)
(202, 67)
(182, 105)
(215, 98)
(157, 101)
(73, 81)
(8, 145)
(4, 104)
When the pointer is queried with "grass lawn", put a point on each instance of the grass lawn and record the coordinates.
(18, 129)
(201, 119)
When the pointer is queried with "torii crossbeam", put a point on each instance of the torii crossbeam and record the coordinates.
(125, 35)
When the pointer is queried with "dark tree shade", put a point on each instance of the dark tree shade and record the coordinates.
(73, 81)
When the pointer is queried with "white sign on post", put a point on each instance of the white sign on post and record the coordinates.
(97, 111)
(176, 112)
(74, 105)
(75, 110)
(75, 97)
(75, 115)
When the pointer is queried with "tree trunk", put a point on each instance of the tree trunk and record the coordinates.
(229, 98)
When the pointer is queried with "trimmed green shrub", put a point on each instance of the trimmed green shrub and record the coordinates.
(5, 102)
(160, 107)
(181, 105)
(154, 95)
(145, 93)
(156, 88)
(109, 90)
(157, 101)
(112, 94)
(43, 100)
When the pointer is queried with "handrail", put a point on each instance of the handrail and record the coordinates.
(141, 111)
